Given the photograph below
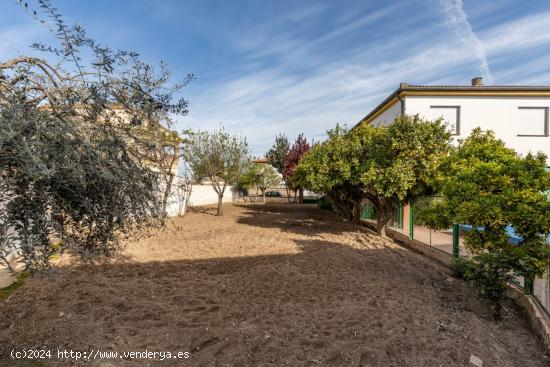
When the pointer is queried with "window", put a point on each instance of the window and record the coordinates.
(451, 115)
(533, 121)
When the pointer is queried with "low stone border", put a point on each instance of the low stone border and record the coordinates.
(538, 318)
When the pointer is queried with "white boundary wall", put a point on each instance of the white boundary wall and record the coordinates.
(200, 195)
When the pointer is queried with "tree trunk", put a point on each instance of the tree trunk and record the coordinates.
(356, 216)
(219, 213)
(380, 216)
(263, 194)
(380, 226)
(386, 210)
(287, 192)
(167, 192)
(186, 197)
(301, 197)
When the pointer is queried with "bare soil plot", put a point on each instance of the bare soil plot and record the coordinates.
(267, 285)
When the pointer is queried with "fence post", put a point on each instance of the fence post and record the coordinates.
(411, 222)
(400, 215)
(456, 248)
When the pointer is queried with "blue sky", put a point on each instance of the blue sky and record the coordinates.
(266, 67)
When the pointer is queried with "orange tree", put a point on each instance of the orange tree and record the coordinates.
(384, 164)
(490, 187)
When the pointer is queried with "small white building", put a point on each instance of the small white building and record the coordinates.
(517, 114)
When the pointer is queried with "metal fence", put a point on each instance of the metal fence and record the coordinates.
(407, 220)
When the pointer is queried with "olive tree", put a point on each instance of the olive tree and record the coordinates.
(218, 155)
(262, 176)
(71, 170)
(490, 187)
(159, 148)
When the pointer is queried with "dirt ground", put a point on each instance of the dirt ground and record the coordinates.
(265, 285)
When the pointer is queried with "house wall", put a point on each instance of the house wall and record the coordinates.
(200, 195)
(500, 114)
(388, 115)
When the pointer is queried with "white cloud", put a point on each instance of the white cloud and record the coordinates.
(518, 34)
(457, 19)
(261, 105)
(304, 13)
(343, 89)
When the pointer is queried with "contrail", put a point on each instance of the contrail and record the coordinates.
(457, 19)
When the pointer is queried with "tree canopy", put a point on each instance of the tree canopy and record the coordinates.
(292, 158)
(383, 164)
(262, 176)
(490, 187)
(277, 152)
(218, 155)
(70, 168)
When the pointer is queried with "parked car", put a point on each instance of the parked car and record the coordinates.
(273, 194)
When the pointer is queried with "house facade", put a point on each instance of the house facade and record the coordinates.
(519, 115)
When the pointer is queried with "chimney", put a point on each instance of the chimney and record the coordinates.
(477, 81)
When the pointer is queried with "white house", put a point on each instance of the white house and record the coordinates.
(517, 114)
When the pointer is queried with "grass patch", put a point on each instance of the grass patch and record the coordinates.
(5, 292)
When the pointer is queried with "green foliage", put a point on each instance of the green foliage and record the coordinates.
(383, 164)
(5, 292)
(489, 186)
(267, 177)
(277, 152)
(73, 181)
(325, 203)
(218, 155)
(460, 267)
(398, 160)
(259, 175)
(330, 167)
(71, 169)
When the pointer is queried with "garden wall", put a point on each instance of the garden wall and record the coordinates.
(200, 195)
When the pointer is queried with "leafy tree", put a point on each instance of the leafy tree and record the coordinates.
(490, 187)
(183, 186)
(276, 155)
(398, 161)
(383, 164)
(291, 160)
(331, 168)
(159, 148)
(217, 155)
(262, 176)
(70, 169)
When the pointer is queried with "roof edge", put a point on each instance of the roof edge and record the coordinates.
(406, 89)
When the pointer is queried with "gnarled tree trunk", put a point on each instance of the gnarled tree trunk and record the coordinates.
(219, 213)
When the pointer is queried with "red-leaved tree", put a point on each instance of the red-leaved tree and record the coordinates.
(292, 158)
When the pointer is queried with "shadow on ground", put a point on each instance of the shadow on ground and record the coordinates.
(361, 304)
(305, 219)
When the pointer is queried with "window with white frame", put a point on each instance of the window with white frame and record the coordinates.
(450, 114)
(532, 121)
